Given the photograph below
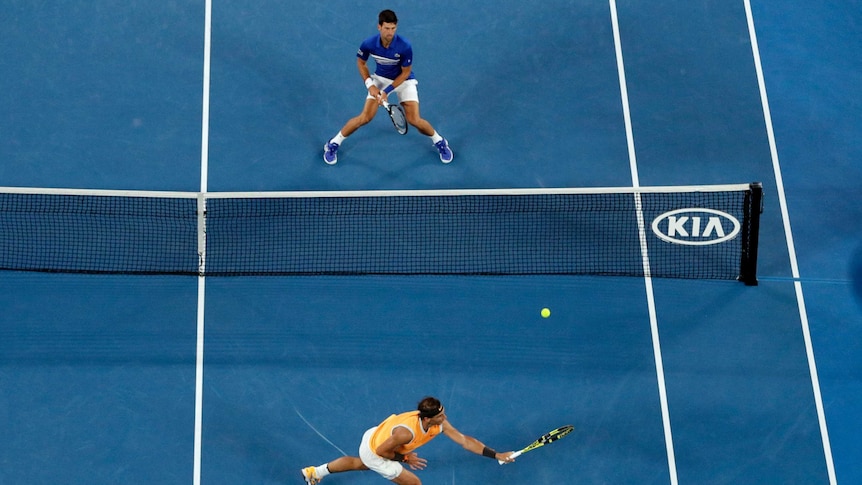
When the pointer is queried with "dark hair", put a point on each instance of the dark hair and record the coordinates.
(387, 16)
(429, 407)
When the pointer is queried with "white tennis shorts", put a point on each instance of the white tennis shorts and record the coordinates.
(407, 91)
(387, 469)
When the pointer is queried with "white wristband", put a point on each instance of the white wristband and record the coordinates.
(368, 83)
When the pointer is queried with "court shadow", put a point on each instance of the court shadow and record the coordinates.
(855, 271)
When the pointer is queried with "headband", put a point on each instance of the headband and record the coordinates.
(432, 413)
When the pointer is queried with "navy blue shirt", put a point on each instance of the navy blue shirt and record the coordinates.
(389, 60)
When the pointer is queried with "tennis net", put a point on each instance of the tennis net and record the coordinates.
(678, 232)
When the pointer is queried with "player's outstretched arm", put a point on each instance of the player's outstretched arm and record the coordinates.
(470, 443)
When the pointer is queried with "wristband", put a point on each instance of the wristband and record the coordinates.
(388, 89)
(398, 456)
(368, 83)
(489, 453)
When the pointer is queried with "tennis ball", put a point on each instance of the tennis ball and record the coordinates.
(546, 313)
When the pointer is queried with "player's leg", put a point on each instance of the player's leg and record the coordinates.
(363, 118)
(411, 112)
(346, 464)
(408, 95)
(390, 470)
(314, 474)
(407, 478)
(330, 150)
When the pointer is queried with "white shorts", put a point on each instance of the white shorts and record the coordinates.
(387, 469)
(407, 91)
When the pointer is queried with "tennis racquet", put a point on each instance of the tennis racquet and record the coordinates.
(544, 440)
(396, 114)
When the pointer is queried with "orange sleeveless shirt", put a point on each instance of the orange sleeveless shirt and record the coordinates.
(409, 420)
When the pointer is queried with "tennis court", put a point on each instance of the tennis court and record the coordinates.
(665, 380)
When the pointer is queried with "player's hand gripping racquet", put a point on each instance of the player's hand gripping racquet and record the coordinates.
(396, 114)
(544, 440)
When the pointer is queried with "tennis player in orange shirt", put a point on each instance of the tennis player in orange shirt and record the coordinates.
(386, 447)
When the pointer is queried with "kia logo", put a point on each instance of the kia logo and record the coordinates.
(695, 226)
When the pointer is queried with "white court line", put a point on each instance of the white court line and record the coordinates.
(785, 216)
(199, 351)
(318, 432)
(659, 366)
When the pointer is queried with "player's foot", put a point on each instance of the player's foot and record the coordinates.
(446, 154)
(330, 153)
(309, 473)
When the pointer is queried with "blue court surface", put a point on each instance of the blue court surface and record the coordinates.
(666, 381)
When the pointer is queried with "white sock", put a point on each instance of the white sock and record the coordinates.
(436, 137)
(322, 470)
(339, 138)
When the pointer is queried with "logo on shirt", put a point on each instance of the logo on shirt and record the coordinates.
(384, 61)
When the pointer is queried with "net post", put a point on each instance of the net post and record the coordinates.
(753, 207)
(202, 233)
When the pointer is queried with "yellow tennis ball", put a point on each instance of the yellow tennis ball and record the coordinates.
(546, 313)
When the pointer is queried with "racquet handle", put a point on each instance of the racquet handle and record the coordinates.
(512, 456)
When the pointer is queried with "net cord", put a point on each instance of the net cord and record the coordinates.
(377, 193)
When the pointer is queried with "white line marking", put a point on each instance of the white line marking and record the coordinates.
(318, 432)
(199, 352)
(785, 215)
(659, 366)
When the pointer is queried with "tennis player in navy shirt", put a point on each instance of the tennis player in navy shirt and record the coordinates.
(393, 56)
